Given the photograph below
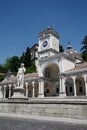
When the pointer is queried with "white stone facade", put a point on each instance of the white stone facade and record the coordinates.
(59, 74)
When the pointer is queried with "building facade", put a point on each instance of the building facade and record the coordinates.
(34, 52)
(59, 74)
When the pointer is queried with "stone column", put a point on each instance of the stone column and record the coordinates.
(14, 85)
(26, 89)
(54, 88)
(62, 92)
(9, 90)
(60, 84)
(1, 94)
(74, 86)
(33, 94)
(85, 79)
(4, 91)
(41, 89)
(63, 84)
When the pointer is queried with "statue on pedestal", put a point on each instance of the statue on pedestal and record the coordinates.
(20, 76)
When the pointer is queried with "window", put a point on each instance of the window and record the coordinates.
(71, 90)
(47, 91)
(80, 89)
(57, 90)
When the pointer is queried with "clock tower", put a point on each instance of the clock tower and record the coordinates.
(48, 43)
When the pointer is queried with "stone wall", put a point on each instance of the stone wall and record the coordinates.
(75, 110)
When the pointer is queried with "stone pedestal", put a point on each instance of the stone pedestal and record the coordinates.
(41, 89)
(18, 92)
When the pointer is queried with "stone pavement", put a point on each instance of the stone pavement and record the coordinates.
(44, 118)
(15, 123)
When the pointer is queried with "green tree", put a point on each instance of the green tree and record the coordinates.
(27, 61)
(6, 65)
(22, 58)
(32, 68)
(11, 64)
(84, 49)
(1, 78)
(14, 63)
(2, 70)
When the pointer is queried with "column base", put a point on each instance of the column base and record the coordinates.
(62, 94)
(18, 93)
(40, 96)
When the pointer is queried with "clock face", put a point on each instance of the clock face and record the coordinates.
(54, 42)
(45, 44)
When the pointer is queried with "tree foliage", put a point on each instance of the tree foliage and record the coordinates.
(84, 49)
(32, 68)
(6, 65)
(2, 70)
(27, 61)
(26, 58)
(14, 63)
(22, 58)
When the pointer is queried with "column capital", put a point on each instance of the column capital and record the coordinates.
(85, 78)
(5, 86)
(9, 85)
(26, 83)
(73, 77)
(33, 82)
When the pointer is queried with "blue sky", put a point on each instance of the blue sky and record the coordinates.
(22, 20)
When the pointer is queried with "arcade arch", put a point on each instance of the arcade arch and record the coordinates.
(51, 71)
(69, 85)
(52, 82)
(80, 86)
